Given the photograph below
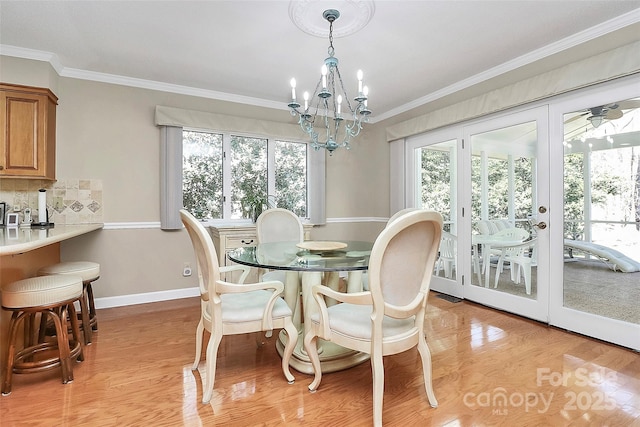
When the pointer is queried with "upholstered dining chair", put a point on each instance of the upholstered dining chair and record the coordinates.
(389, 318)
(278, 225)
(399, 214)
(365, 275)
(233, 308)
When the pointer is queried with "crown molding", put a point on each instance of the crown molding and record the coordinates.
(75, 73)
(600, 30)
(607, 27)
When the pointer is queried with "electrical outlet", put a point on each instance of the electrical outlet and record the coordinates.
(186, 270)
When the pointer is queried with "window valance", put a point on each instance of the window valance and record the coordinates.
(171, 116)
(609, 65)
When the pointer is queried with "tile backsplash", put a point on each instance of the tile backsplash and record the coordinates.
(69, 201)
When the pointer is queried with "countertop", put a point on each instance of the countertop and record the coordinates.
(18, 240)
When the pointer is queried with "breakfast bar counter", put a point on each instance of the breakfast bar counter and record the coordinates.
(23, 251)
(19, 240)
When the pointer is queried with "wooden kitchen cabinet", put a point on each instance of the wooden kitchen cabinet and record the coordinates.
(28, 139)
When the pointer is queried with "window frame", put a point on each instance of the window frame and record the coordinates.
(170, 122)
(316, 173)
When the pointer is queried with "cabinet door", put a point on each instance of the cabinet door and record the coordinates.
(27, 144)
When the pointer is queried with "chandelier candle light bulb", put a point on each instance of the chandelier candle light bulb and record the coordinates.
(337, 132)
(323, 71)
(293, 89)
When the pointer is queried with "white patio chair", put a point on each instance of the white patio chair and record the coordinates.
(447, 254)
(520, 258)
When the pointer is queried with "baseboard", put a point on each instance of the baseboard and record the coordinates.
(123, 300)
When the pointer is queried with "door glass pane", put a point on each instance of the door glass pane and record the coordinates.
(503, 201)
(436, 190)
(248, 175)
(602, 210)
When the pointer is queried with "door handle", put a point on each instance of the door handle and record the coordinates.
(541, 225)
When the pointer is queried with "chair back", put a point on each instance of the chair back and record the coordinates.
(523, 249)
(400, 213)
(448, 245)
(513, 233)
(279, 225)
(401, 264)
(206, 257)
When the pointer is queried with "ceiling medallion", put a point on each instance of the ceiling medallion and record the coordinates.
(354, 16)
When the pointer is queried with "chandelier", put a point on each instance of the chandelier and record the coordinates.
(329, 108)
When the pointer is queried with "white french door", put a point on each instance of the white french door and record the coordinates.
(596, 292)
(505, 224)
(448, 170)
(566, 173)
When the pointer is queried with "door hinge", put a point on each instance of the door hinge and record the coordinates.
(462, 280)
(463, 143)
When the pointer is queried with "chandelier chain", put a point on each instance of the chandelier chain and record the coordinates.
(330, 50)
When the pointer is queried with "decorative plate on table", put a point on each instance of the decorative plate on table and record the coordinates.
(321, 245)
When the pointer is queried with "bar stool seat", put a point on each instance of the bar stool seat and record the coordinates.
(89, 272)
(52, 297)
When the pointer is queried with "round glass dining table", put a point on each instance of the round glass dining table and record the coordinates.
(308, 264)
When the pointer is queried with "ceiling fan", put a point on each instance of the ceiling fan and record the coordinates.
(597, 115)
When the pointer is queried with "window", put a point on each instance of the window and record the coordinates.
(225, 175)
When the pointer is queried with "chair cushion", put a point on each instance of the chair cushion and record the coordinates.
(40, 291)
(249, 306)
(355, 321)
(88, 270)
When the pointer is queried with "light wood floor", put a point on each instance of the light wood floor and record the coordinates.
(489, 369)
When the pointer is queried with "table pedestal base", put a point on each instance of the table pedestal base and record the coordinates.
(332, 356)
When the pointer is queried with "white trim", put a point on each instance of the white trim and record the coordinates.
(132, 299)
(130, 225)
(356, 219)
(240, 222)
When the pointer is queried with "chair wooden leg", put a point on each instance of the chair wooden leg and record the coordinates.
(292, 335)
(425, 355)
(13, 335)
(199, 333)
(42, 332)
(77, 351)
(93, 318)
(212, 359)
(84, 313)
(377, 369)
(59, 316)
(311, 347)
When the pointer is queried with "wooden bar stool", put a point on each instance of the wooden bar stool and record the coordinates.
(90, 272)
(51, 297)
